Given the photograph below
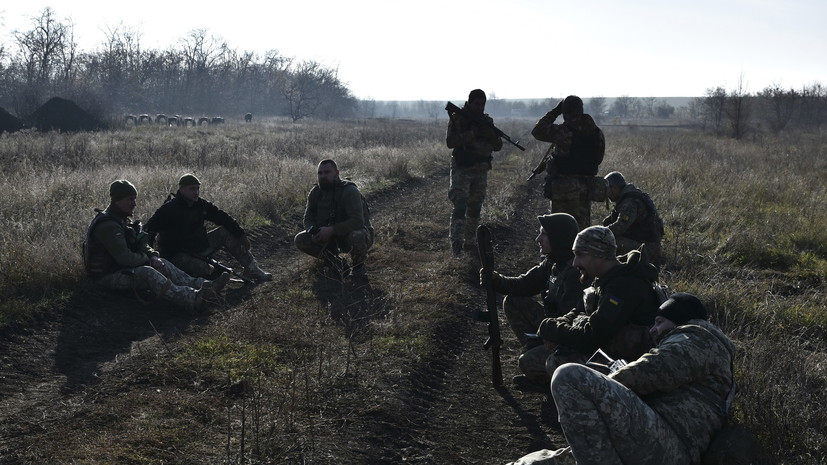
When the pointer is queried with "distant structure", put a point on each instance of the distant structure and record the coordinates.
(248, 117)
(63, 115)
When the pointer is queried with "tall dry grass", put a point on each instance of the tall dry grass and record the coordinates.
(50, 183)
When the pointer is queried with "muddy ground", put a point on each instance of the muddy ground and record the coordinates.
(86, 382)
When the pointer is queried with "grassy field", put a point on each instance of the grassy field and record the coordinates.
(746, 230)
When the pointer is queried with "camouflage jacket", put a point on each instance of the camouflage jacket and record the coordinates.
(340, 207)
(579, 143)
(111, 245)
(471, 143)
(558, 281)
(635, 216)
(687, 380)
(615, 314)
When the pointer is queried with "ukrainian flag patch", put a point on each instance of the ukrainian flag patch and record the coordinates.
(614, 301)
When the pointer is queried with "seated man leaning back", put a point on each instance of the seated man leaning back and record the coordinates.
(616, 311)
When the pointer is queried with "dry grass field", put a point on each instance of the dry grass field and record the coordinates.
(312, 370)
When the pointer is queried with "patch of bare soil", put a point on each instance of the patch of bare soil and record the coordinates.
(90, 383)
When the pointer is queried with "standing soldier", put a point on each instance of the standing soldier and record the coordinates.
(116, 255)
(578, 151)
(336, 219)
(472, 145)
(183, 237)
(634, 220)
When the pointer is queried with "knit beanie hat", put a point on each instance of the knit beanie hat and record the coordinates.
(561, 229)
(189, 179)
(475, 94)
(121, 189)
(597, 241)
(682, 307)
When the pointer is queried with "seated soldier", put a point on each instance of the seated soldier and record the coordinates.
(664, 407)
(116, 256)
(555, 279)
(183, 237)
(335, 221)
(615, 312)
(634, 219)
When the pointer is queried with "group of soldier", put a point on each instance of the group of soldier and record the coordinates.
(119, 254)
(664, 383)
(669, 385)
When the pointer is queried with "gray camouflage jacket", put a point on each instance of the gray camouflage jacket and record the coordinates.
(686, 379)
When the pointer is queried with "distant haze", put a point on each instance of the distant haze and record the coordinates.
(438, 50)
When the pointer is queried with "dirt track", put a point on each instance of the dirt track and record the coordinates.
(64, 375)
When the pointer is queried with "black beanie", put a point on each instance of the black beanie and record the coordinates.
(189, 179)
(561, 229)
(682, 307)
(475, 94)
(121, 189)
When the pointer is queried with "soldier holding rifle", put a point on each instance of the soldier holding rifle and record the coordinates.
(472, 142)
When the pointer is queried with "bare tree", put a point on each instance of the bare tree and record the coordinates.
(738, 109)
(43, 46)
(780, 105)
(596, 107)
(713, 107)
(623, 106)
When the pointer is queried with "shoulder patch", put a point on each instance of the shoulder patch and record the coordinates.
(614, 300)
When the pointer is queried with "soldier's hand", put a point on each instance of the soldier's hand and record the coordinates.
(484, 282)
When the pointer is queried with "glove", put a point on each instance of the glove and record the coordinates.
(495, 279)
(556, 111)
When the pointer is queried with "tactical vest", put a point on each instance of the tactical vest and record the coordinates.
(96, 259)
(585, 156)
(648, 229)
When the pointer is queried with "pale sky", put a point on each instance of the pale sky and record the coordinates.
(441, 49)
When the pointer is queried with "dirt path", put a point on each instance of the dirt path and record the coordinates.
(76, 376)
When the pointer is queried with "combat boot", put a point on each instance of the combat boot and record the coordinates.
(252, 271)
(203, 297)
(218, 283)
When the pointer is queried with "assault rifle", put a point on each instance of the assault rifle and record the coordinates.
(543, 163)
(480, 121)
(494, 342)
(220, 266)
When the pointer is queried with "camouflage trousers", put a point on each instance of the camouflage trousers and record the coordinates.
(169, 283)
(606, 423)
(524, 315)
(653, 251)
(467, 193)
(218, 238)
(570, 194)
(357, 243)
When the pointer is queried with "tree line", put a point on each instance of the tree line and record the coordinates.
(198, 75)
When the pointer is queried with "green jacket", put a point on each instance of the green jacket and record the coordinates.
(559, 282)
(340, 207)
(111, 244)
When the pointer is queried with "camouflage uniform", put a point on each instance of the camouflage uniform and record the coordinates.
(635, 221)
(578, 152)
(614, 315)
(470, 162)
(341, 207)
(117, 260)
(662, 408)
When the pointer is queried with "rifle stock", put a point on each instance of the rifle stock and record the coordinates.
(453, 109)
(494, 342)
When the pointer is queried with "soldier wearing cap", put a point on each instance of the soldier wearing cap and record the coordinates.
(183, 237)
(664, 407)
(471, 157)
(634, 219)
(555, 279)
(579, 147)
(615, 312)
(117, 256)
